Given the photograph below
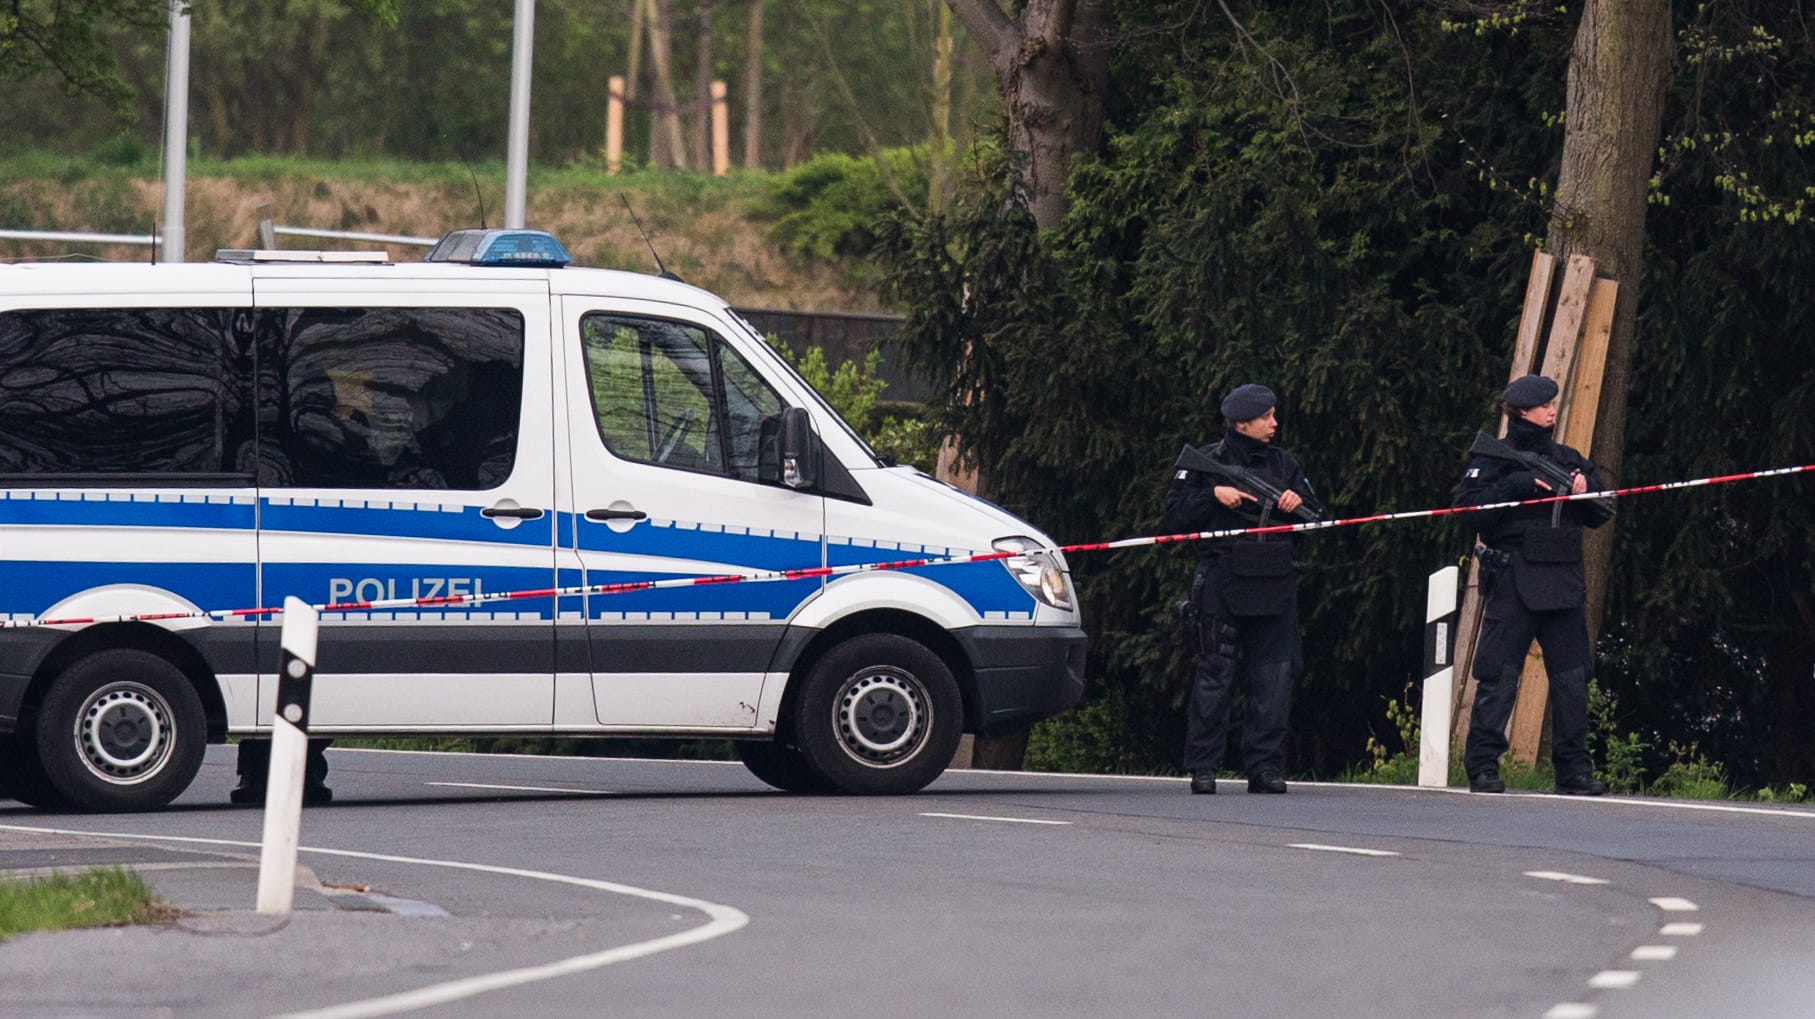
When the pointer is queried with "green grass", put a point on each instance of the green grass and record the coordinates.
(95, 898)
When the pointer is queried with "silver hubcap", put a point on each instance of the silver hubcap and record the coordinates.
(125, 732)
(883, 716)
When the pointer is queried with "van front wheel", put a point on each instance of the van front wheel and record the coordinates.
(880, 714)
(121, 730)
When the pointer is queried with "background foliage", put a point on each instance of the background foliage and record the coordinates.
(1340, 200)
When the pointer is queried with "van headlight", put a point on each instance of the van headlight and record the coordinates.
(1041, 573)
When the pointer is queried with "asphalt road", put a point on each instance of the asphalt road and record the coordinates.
(476, 885)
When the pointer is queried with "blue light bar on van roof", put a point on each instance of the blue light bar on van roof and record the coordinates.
(526, 248)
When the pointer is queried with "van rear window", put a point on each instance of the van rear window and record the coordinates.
(133, 393)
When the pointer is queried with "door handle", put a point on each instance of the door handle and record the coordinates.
(515, 512)
(616, 514)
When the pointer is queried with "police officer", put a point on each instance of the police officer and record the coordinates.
(1531, 573)
(1243, 611)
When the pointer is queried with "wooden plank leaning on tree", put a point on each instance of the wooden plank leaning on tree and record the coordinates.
(1559, 354)
(1575, 427)
(1468, 617)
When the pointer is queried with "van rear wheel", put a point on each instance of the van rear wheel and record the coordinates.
(121, 730)
(880, 714)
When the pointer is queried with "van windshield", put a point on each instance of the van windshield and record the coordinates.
(781, 363)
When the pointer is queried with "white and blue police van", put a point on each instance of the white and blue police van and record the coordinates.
(191, 438)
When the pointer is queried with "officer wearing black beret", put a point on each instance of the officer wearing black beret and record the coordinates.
(1532, 578)
(1243, 609)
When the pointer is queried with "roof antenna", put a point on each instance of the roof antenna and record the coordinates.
(477, 194)
(663, 270)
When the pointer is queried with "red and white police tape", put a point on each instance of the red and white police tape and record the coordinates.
(446, 601)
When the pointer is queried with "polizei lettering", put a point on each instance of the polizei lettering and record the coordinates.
(349, 589)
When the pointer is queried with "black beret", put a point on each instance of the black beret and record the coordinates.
(1245, 403)
(1529, 391)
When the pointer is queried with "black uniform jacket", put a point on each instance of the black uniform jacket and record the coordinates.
(1191, 503)
(1546, 561)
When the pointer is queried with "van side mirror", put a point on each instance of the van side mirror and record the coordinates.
(800, 449)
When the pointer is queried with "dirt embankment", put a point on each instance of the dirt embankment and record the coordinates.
(705, 232)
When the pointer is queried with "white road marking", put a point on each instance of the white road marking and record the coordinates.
(1572, 1010)
(524, 788)
(1680, 930)
(1614, 979)
(985, 817)
(1671, 904)
(722, 920)
(1340, 849)
(1654, 953)
(1557, 875)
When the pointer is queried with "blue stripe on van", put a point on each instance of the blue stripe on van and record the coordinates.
(403, 521)
(32, 587)
(986, 586)
(191, 511)
(685, 540)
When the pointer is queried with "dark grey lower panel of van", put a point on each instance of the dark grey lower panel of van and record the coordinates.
(1024, 674)
(20, 652)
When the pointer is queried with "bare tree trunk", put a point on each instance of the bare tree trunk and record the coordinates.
(701, 136)
(1052, 62)
(1618, 72)
(753, 89)
(638, 9)
(939, 175)
(667, 149)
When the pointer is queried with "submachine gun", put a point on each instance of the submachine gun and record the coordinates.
(1192, 458)
(1559, 479)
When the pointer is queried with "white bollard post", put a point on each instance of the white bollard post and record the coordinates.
(1439, 677)
(289, 756)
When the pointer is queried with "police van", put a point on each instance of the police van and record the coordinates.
(187, 439)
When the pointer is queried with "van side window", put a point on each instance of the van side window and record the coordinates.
(673, 394)
(421, 398)
(140, 394)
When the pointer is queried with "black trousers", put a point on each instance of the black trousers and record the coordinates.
(254, 761)
(1507, 631)
(1264, 655)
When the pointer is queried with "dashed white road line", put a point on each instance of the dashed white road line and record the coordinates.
(722, 920)
(986, 817)
(1654, 953)
(1557, 875)
(1680, 930)
(1614, 979)
(1340, 849)
(1572, 1010)
(1672, 904)
(524, 788)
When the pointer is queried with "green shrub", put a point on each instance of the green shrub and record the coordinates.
(826, 207)
(1691, 776)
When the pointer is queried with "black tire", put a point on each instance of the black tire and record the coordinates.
(121, 730)
(22, 777)
(779, 765)
(880, 715)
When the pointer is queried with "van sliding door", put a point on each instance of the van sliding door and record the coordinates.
(404, 455)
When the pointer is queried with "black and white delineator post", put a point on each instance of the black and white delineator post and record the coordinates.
(289, 756)
(1439, 677)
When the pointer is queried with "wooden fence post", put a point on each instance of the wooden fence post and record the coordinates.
(614, 124)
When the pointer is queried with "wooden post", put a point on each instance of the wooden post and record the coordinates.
(721, 131)
(614, 124)
(1468, 620)
(1575, 427)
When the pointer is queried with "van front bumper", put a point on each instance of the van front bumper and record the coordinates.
(1023, 674)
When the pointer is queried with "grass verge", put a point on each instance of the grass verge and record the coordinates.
(96, 898)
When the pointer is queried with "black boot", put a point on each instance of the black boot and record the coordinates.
(1267, 782)
(1486, 782)
(1203, 783)
(1580, 785)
